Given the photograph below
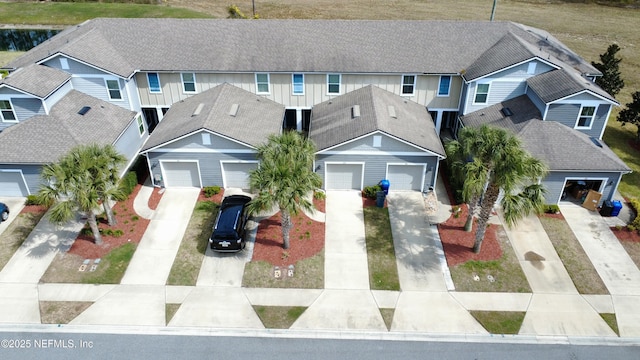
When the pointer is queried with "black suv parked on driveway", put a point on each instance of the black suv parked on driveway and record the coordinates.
(228, 231)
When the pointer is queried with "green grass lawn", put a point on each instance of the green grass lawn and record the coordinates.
(500, 322)
(58, 13)
(383, 270)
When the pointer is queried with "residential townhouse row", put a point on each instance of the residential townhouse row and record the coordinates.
(196, 97)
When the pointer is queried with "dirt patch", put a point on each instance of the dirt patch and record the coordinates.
(154, 200)
(306, 240)
(61, 312)
(458, 244)
(630, 240)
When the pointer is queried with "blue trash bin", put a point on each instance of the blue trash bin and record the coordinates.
(617, 206)
(384, 184)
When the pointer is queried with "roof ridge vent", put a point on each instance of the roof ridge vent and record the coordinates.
(198, 110)
(392, 111)
(234, 110)
(355, 111)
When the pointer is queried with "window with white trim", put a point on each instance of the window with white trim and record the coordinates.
(154, 83)
(444, 86)
(262, 83)
(113, 89)
(6, 112)
(188, 82)
(482, 94)
(333, 83)
(408, 84)
(587, 113)
(140, 125)
(298, 84)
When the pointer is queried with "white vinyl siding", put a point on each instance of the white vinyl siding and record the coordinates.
(113, 89)
(333, 84)
(262, 84)
(408, 84)
(188, 82)
(6, 111)
(154, 83)
(298, 84)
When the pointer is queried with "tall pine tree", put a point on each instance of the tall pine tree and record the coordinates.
(610, 80)
(631, 114)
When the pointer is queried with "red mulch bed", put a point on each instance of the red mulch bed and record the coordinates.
(217, 198)
(625, 235)
(33, 209)
(558, 216)
(306, 240)
(366, 202)
(131, 224)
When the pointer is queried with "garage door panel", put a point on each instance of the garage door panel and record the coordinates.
(344, 176)
(405, 177)
(181, 174)
(236, 175)
(12, 184)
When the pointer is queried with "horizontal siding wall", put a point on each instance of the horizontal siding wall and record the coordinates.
(535, 99)
(566, 114)
(25, 108)
(96, 87)
(210, 169)
(194, 142)
(75, 67)
(366, 144)
(315, 88)
(59, 94)
(375, 168)
(130, 142)
(499, 91)
(554, 183)
(31, 175)
(599, 121)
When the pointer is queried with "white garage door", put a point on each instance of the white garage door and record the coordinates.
(236, 175)
(405, 177)
(12, 184)
(343, 176)
(181, 174)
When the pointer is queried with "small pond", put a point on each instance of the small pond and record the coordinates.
(23, 39)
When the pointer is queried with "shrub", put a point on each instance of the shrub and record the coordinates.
(31, 200)
(209, 191)
(319, 195)
(370, 191)
(129, 182)
(635, 204)
(118, 233)
(551, 209)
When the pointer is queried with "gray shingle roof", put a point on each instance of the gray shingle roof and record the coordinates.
(37, 80)
(332, 122)
(559, 146)
(558, 84)
(43, 139)
(345, 46)
(256, 118)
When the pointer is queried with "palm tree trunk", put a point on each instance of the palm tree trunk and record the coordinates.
(286, 226)
(488, 201)
(111, 219)
(93, 224)
(468, 226)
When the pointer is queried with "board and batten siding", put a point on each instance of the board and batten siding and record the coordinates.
(375, 168)
(315, 88)
(555, 180)
(210, 166)
(31, 174)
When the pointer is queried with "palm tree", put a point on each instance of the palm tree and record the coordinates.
(284, 178)
(78, 182)
(107, 162)
(498, 162)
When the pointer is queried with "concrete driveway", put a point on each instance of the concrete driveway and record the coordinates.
(15, 205)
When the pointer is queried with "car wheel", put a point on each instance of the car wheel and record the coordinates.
(5, 215)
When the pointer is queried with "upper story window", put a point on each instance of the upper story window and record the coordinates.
(333, 83)
(6, 112)
(408, 84)
(444, 86)
(482, 94)
(298, 84)
(64, 63)
(188, 82)
(587, 113)
(154, 82)
(113, 88)
(262, 83)
(140, 125)
(531, 68)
